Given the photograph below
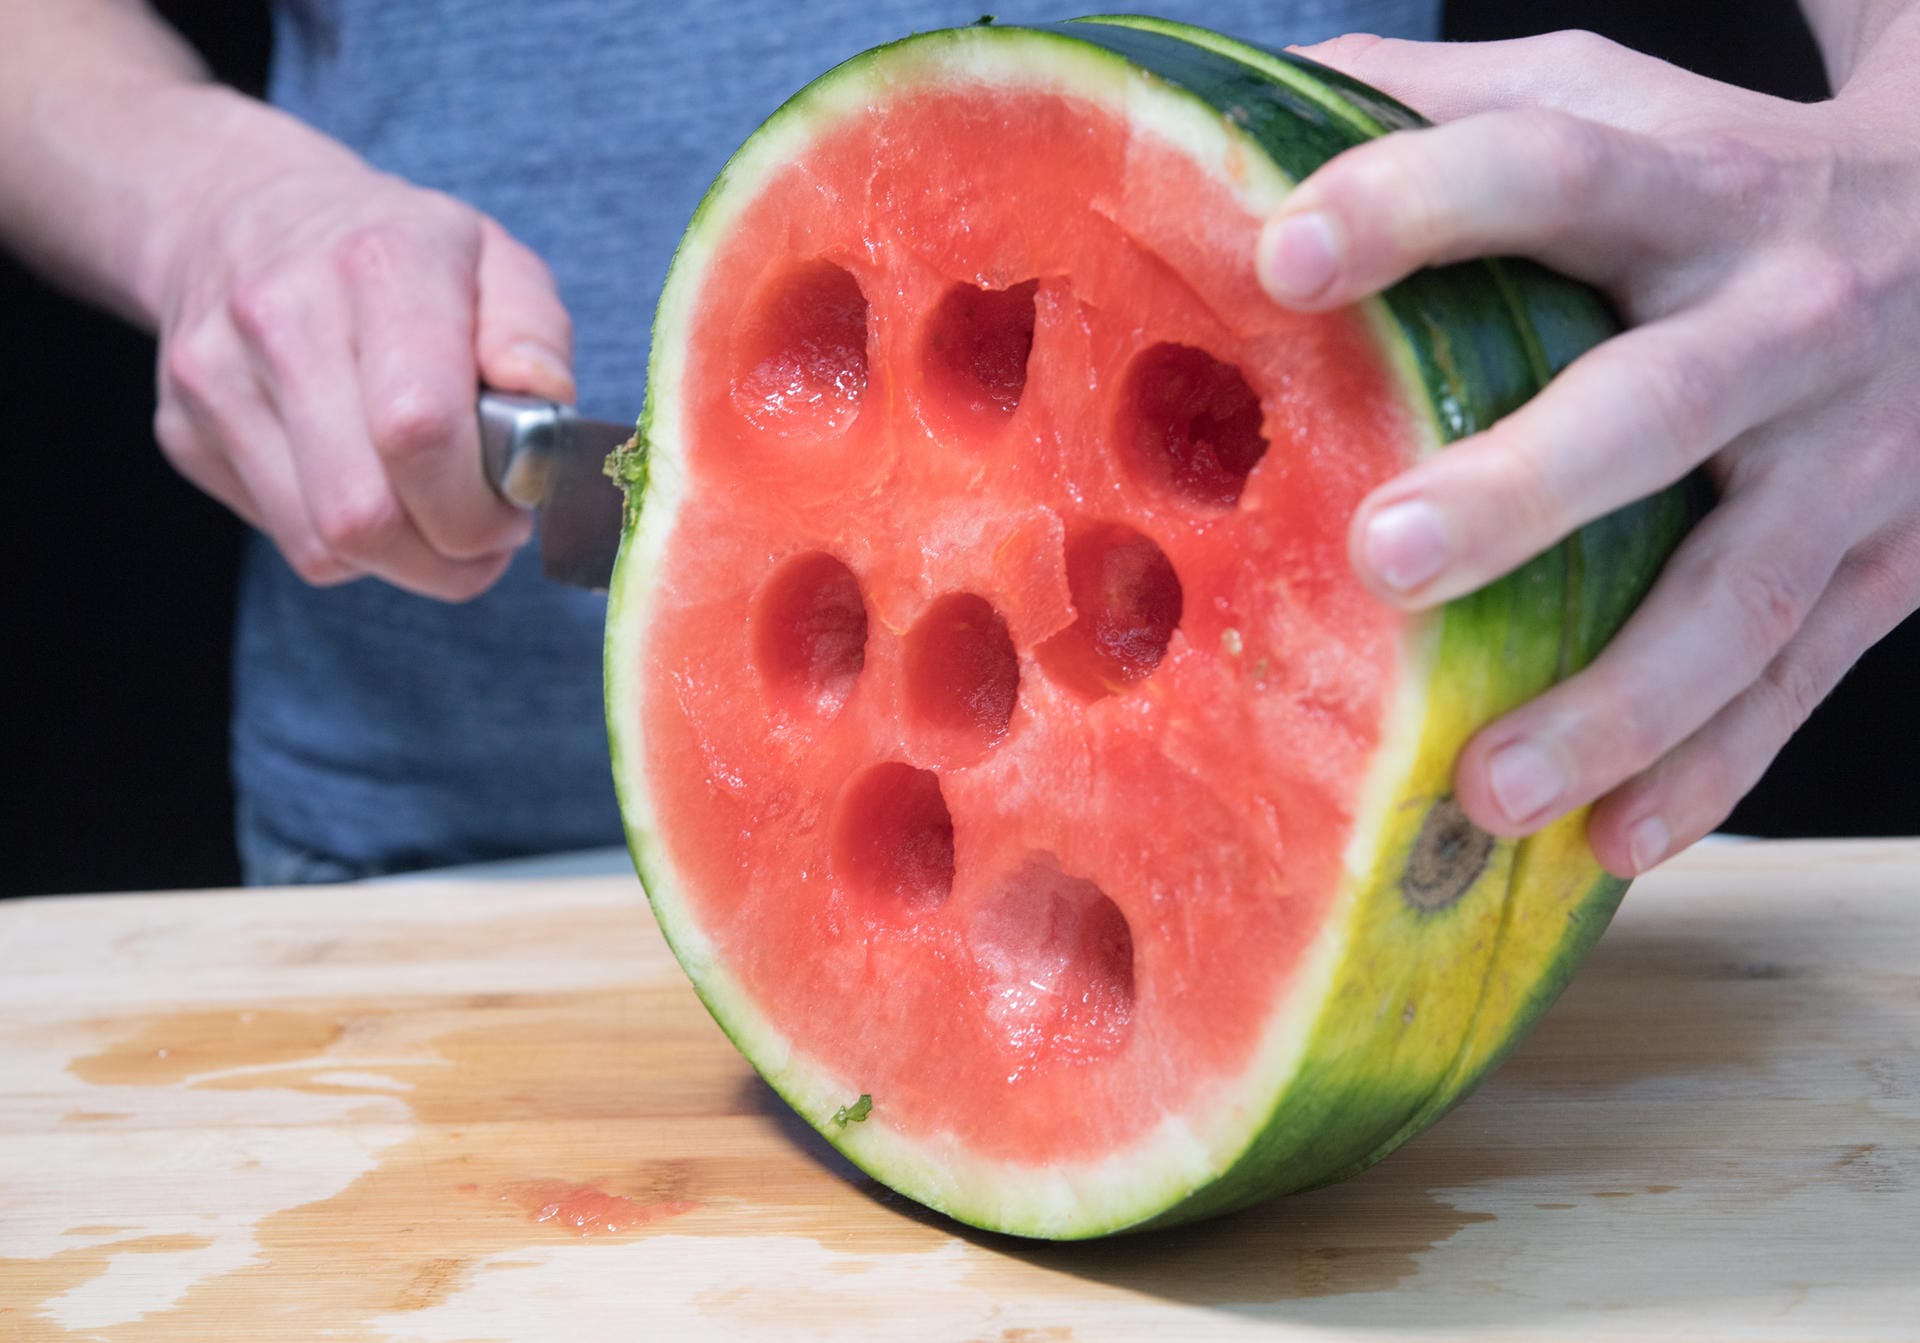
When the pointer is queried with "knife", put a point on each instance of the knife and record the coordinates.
(545, 456)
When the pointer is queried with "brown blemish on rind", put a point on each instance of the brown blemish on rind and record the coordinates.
(1448, 856)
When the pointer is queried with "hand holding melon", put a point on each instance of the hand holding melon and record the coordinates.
(1767, 256)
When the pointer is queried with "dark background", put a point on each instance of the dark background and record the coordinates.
(121, 577)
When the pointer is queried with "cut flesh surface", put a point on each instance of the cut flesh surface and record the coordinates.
(1002, 733)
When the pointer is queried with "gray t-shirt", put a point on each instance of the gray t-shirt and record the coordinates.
(374, 730)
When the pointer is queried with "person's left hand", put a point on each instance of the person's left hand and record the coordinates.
(1766, 256)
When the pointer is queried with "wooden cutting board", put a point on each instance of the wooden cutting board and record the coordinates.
(491, 1109)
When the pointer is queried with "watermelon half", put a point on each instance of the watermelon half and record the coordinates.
(1011, 757)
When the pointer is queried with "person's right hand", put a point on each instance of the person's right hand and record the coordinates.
(323, 333)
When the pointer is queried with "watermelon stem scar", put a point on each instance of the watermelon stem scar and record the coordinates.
(997, 722)
(854, 1113)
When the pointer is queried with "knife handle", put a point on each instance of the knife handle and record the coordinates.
(519, 436)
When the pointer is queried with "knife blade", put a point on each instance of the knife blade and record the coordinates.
(548, 457)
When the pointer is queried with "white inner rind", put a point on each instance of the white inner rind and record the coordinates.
(1189, 1149)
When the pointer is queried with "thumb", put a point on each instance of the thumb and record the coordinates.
(523, 338)
(1575, 72)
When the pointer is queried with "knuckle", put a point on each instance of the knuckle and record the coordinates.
(1874, 588)
(1641, 732)
(1721, 785)
(1578, 48)
(1529, 504)
(267, 308)
(359, 524)
(383, 251)
(415, 420)
(1829, 304)
(1769, 602)
(1627, 731)
(1392, 187)
(1888, 570)
(373, 255)
(313, 563)
(1790, 690)
(1703, 793)
(192, 363)
(174, 434)
(1684, 390)
(1572, 155)
(1740, 175)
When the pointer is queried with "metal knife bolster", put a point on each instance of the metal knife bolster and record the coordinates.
(519, 438)
(543, 455)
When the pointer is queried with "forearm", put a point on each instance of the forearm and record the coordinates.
(1866, 43)
(114, 144)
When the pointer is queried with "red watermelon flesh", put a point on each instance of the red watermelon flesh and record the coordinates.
(1011, 623)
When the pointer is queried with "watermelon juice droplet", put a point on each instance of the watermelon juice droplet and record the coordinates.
(588, 1210)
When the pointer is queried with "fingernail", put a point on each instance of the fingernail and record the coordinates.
(1405, 544)
(545, 366)
(1647, 843)
(1299, 256)
(1526, 780)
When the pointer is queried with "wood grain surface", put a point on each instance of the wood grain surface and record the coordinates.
(491, 1109)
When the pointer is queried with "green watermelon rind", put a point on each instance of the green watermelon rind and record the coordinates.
(1474, 340)
(1608, 566)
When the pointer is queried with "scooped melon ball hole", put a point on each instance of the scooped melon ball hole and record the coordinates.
(1055, 956)
(1127, 600)
(893, 839)
(1189, 424)
(962, 676)
(800, 358)
(809, 634)
(976, 347)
